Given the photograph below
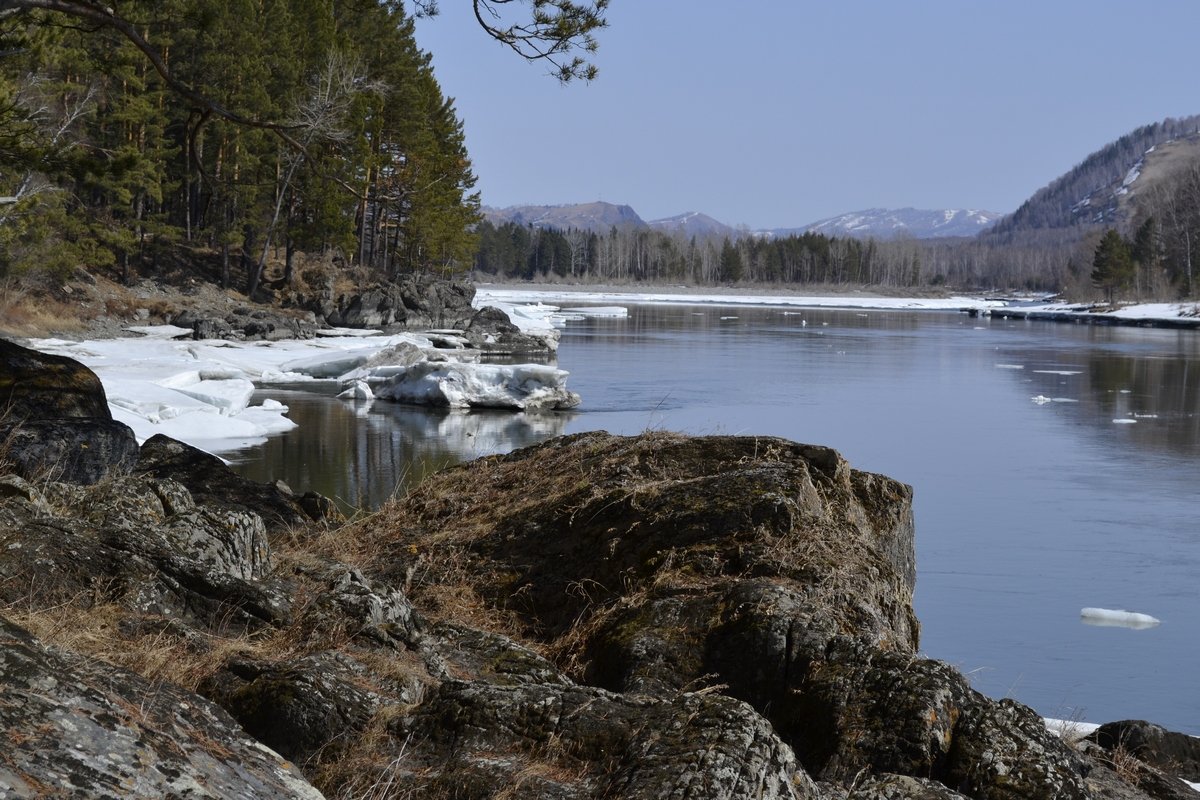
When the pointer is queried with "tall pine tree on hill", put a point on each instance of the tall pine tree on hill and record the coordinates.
(187, 121)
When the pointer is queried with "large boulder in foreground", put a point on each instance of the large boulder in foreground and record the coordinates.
(661, 559)
(759, 568)
(55, 422)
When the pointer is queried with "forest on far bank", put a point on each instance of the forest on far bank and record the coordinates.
(519, 252)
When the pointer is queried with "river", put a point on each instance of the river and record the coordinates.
(1032, 501)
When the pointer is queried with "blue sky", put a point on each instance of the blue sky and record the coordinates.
(775, 113)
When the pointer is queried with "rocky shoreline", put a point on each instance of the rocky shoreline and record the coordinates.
(593, 617)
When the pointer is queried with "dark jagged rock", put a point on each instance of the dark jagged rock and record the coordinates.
(889, 786)
(411, 303)
(55, 421)
(142, 544)
(300, 709)
(491, 331)
(211, 481)
(592, 743)
(245, 323)
(35, 385)
(71, 449)
(80, 728)
(1153, 744)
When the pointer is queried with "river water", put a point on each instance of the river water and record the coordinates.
(1031, 501)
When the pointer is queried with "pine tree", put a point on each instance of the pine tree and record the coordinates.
(1112, 265)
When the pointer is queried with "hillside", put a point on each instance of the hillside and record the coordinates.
(1099, 190)
(694, 223)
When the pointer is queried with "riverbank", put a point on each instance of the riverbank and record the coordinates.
(1184, 315)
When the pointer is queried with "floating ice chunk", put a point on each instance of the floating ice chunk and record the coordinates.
(732, 317)
(1124, 421)
(1122, 619)
(1058, 371)
(598, 311)
(459, 385)
(386, 364)
(1041, 399)
(358, 390)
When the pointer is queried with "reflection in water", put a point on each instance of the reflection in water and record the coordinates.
(1149, 380)
(361, 453)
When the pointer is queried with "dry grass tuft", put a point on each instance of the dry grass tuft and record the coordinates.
(157, 648)
(24, 315)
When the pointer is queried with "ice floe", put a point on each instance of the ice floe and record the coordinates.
(457, 385)
(504, 297)
(1115, 618)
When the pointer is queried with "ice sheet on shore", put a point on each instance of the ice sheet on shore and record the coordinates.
(1107, 617)
(498, 296)
(199, 392)
(1148, 312)
(516, 297)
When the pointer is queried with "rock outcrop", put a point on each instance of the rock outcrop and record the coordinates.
(248, 323)
(410, 303)
(78, 728)
(55, 421)
(423, 303)
(594, 617)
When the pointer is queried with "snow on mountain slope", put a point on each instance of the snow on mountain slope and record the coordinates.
(887, 223)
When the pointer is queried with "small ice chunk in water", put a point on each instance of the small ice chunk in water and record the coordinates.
(358, 390)
(1113, 618)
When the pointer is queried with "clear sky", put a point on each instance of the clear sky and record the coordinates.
(776, 113)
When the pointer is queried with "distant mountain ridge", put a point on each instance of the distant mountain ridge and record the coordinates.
(888, 223)
(597, 216)
(879, 223)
